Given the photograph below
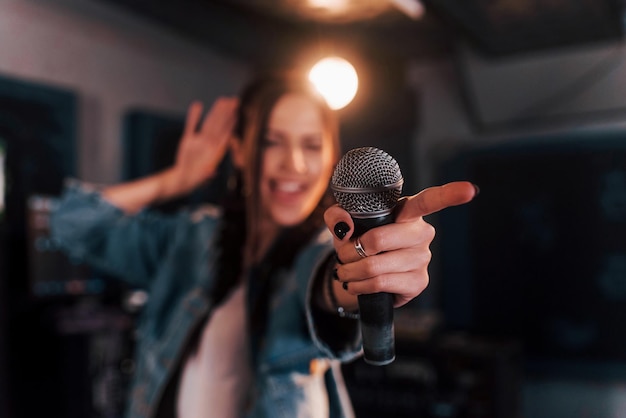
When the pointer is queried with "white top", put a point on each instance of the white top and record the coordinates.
(216, 378)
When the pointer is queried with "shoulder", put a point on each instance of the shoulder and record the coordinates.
(323, 238)
(320, 246)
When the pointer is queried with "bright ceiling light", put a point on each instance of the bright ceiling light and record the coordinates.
(412, 8)
(336, 79)
(336, 5)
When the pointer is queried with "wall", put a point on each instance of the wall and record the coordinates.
(470, 100)
(443, 122)
(114, 62)
(563, 85)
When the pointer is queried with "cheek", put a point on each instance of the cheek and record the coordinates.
(316, 166)
(321, 163)
(269, 159)
(322, 172)
(323, 180)
(328, 166)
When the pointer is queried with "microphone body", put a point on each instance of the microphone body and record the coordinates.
(376, 310)
(367, 183)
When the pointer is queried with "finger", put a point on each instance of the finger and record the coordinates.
(394, 236)
(193, 117)
(435, 199)
(339, 223)
(404, 286)
(384, 238)
(400, 261)
(221, 117)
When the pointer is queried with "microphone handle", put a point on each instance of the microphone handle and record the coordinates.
(376, 309)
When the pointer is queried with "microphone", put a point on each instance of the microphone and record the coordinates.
(367, 183)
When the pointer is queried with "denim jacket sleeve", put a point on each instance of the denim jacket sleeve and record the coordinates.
(89, 228)
(344, 347)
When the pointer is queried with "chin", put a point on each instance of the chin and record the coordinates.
(289, 220)
(287, 223)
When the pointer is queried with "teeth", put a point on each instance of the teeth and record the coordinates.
(288, 187)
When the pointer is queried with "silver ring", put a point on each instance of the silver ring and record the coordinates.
(359, 248)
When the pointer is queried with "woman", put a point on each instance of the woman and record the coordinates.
(243, 315)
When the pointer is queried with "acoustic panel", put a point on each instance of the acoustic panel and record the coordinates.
(540, 256)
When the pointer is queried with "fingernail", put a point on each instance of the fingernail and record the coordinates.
(335, 274)
(477, 189)
(341, 229)
(344, 285)
(337, 259)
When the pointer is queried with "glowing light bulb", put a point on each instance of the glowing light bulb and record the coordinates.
(336, 80)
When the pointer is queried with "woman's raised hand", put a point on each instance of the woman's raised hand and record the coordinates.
(396, 256)
(200, 151)
(204, 142)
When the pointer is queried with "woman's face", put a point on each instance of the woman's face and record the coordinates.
(297, 161)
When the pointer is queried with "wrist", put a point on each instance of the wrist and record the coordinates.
(340, 305)
(173, 183)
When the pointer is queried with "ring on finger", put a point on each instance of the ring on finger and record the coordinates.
(359, 248)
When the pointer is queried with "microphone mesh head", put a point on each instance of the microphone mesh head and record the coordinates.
(367, 182)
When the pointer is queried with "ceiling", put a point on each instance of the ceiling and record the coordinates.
(258, 31)
(379, 37)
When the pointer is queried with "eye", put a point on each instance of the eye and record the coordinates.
(313, 143)
(271, 140)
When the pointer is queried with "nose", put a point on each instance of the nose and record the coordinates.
(295, 160)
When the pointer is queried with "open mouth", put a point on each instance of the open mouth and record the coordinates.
(287, 190)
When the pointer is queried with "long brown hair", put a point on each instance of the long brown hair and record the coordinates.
(258, 102)
(242, 204)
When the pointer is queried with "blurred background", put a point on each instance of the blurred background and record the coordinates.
(525, 313)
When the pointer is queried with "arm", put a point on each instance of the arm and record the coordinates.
(93, 225)
(202, 147)
(90, 229)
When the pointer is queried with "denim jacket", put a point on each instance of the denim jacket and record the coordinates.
(174, 258)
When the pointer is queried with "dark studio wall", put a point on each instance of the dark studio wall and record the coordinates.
(124, 72)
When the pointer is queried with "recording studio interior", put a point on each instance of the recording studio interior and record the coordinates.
(526, 302)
